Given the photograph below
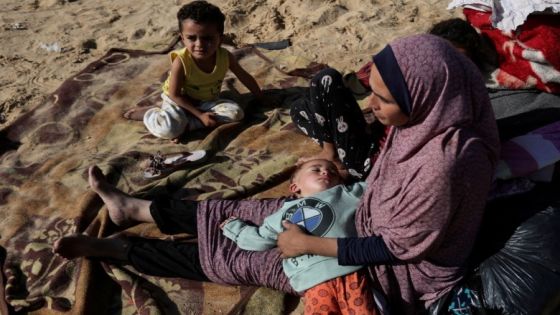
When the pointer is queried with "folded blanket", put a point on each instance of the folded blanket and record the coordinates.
(528, 58)
(529, 153)
(511, 103)
(521, 111)
(507, 15)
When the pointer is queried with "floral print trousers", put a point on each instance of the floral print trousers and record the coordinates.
(331, 114)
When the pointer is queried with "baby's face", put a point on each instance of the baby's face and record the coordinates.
(201, 40)
(315, 176)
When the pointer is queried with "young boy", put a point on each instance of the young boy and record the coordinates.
(325, 207)
(191, 92)
(468, 41)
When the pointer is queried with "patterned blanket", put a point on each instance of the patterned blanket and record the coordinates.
(528, 57)
(526, 154)
(44, 193)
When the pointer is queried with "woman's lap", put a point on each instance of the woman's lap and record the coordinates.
(213, 257)
(166, 258)
(221, 258)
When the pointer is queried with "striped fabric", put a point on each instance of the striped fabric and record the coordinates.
(524, 155)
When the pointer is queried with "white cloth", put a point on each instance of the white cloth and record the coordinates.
(169, 121)
(507, 15)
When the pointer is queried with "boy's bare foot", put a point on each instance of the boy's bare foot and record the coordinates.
(123, 209)
(136, 113)
(79, 245)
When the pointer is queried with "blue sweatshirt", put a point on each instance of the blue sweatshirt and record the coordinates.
(329, 213)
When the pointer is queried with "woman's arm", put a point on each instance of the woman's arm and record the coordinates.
(349, 251)
(294, 242)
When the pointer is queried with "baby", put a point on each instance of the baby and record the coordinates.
(325, 207)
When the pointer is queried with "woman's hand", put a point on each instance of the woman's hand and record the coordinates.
(292, 241)
(295, 242)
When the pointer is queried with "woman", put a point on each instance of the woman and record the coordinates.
(421, 210)
(419, 216)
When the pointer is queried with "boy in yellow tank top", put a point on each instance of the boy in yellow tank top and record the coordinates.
(191, 92)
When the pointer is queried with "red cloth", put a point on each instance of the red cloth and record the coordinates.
(528, 57)
(363, 75)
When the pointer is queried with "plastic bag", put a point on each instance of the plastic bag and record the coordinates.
(515, 264)
(523, 276)
(462, 300)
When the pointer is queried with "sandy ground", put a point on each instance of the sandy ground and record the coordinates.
(44, 42)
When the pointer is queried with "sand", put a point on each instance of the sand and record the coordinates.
(44, 42)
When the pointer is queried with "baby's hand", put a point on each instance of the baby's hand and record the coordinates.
(207, 119)
(228, 220)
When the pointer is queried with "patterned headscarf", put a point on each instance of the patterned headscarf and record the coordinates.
(427, 190)
(389, 70)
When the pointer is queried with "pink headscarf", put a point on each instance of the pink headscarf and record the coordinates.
(427, 190)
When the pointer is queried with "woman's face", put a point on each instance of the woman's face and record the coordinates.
(384, 106)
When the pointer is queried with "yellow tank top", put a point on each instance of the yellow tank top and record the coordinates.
(198, 84)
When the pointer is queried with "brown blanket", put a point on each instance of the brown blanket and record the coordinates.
(44, 193)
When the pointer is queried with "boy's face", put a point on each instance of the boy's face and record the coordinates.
(315, 176)
(201, 40)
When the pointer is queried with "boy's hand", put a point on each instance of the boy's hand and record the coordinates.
(228, 220)
(207, 119)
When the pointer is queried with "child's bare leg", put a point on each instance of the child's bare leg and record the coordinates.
(71, 247)
(3, 306)
(179, 138)
(123, 209)
(136, 113)
(183, 136)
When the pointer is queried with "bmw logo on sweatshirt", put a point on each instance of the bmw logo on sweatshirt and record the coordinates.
(314, 215)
